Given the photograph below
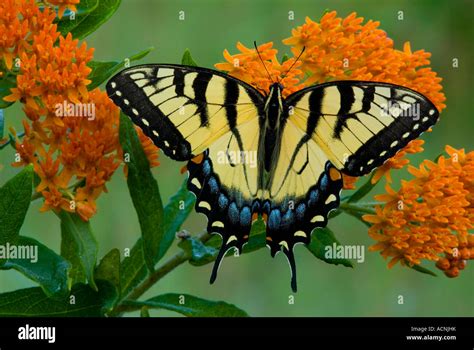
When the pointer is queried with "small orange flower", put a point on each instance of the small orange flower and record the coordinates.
(430, 216)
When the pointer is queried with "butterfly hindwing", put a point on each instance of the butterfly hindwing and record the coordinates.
(358, 124)
(183, 109)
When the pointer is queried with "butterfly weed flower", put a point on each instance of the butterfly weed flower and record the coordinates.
(430, 216)
(72, 134)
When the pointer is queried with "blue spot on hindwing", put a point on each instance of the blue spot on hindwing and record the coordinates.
(212, 182)
(300, 210)
(245, 216)
(274, 219)
(206, 168)
(222, 201)
(233, 213)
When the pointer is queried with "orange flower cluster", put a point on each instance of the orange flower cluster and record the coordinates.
(340, 49)
(430, 216)
(72, 138)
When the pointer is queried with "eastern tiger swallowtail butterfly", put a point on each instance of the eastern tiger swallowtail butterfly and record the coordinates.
(252, 155)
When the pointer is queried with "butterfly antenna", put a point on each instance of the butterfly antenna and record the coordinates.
(264, 66)
(297, 59)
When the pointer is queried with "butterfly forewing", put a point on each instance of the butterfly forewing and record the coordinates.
(183, 109)
(360, 125)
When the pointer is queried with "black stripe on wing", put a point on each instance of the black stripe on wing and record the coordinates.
(384, 143)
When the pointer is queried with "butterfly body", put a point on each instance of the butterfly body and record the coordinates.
(302, 144)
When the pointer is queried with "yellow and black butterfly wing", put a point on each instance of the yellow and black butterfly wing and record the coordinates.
(211, 120)
(304, 188)
(345, 126)
(183, 109)
(225, 181)
(359, 125)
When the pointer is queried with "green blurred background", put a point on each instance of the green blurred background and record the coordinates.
(256, 282)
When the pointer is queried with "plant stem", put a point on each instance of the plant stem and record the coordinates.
(357, 207)
(176, 260)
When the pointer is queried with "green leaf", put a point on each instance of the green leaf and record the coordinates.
(7, 82)
(177, 210)
(363, 190)
(101, 71)
(83, 301)
(69, 21)
(144, 191)
(191, 306)
(285, 58)
(79, 246)
(97, 17)
(133, 269)
(44, 266)
(199, 253)
(202, 254)
(321, 238)
(187, 59)
(422, 269)
(15, 197)
(2, 123)
(109, 269)
(144, 312)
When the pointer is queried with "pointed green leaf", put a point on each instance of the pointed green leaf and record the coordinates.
(191, 306)
(187, 59)
(83, 301)
(177, 210)
(43, 266)
(285, 58)
(15, 197)
(133, 269)
(101, 71)
(322, 238)
(7, 82)
(71, 20)
(363, 190)
(144, 191)
(97, 17)
(109, 269)
(422, 269)
(79, 247)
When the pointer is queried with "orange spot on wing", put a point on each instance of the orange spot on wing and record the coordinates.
(334, 174)
(254, 216)
(184, 168)
(264, 217)
(198, 159)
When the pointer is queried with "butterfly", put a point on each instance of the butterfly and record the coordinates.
(254, 155)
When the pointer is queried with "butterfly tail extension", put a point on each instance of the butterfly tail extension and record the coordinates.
(289, 225)
(231, 220)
